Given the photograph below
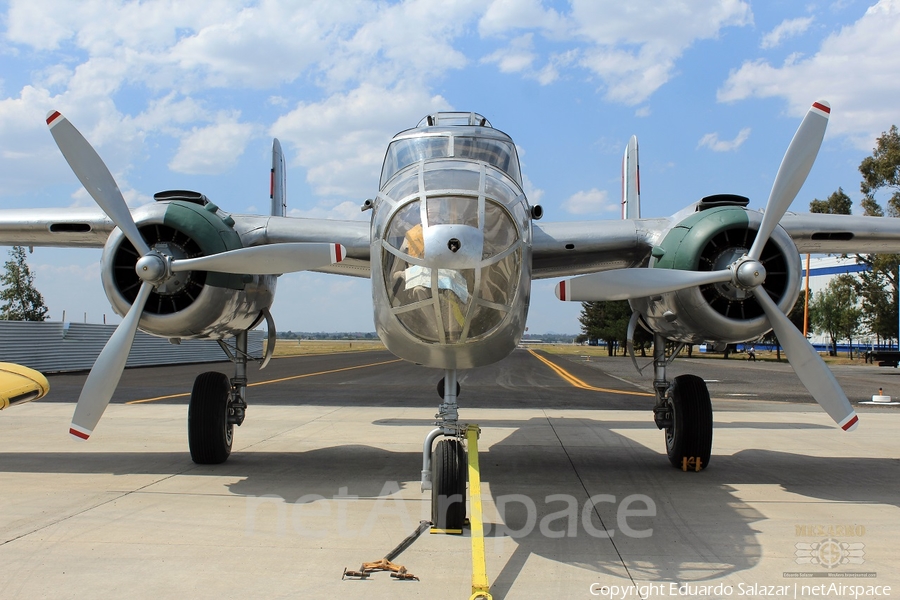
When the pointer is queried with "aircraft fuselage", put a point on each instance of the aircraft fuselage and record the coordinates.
(451, 244)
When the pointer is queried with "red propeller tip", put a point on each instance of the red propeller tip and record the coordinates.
(822, 107)
(851, 423)
(78, 433)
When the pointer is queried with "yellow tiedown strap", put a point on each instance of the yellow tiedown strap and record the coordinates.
(480, 585)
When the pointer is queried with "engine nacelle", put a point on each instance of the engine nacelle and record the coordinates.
(711, 240)
(20, 384)
(196, 304)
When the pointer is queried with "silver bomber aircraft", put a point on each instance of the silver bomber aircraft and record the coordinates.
(451, 249)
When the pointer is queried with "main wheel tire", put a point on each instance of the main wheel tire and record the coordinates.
(690, 435)
(209, 433)
(448, 493)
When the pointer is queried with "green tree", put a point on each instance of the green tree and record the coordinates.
(607, 321)
(838, 203)
(21, 300)
(879, 310)
(834, 311)
(881, 172)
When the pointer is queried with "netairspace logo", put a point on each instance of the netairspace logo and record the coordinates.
(316, 516)
(747, 590)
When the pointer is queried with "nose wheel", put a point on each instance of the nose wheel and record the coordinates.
(448, 494)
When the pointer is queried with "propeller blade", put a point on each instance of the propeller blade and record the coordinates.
(107, 370)
(272, 259)
(622, 284)
(808, 365)
(795, 166)
(95, 177)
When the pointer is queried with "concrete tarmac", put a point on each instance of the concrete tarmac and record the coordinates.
(578, 494)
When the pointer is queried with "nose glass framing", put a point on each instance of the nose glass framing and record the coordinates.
(466, 301)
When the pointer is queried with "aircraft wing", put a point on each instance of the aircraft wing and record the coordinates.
(90, 227)
(574, 248)
(58, 227)
(352, 235)
(577, 248)
(842, 234)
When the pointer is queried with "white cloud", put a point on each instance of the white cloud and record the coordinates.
(519, 56)
(341, 140)
(590, 202)
(632, 46)
(712, 141)
(786, 29)
(348, 210)
(515, 58)
(636, 44)
(405, 42)
(267, 43)
(849, 71)
(506, 15)
(533, 194)
(213, 149)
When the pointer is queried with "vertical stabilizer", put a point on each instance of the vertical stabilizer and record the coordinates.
(631, 181)
(278, 181)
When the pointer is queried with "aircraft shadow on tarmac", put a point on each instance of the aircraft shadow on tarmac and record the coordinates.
(586, 460)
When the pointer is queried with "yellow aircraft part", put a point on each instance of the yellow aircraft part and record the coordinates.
(20, 384)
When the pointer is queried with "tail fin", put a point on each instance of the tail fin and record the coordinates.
(278, 181)
(631, 181)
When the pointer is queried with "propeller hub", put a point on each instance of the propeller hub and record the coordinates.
(749, 274)
(152, 268)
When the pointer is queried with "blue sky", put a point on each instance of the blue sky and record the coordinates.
(187, 95)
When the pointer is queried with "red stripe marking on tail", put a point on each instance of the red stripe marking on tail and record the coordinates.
(822, 107)
(56, 114)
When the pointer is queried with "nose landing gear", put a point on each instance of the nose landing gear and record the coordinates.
(444, 466)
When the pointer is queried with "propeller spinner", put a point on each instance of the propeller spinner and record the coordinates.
(747, 273)
(155, 268)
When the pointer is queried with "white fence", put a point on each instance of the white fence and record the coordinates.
(53, 346)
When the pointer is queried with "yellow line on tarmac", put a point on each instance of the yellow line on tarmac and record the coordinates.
(480, 585)
(574, 381)
(386, 362)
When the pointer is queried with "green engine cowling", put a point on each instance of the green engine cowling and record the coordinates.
(710, 240)
(196, 304)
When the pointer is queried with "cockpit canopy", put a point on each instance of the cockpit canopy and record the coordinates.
(452, 135)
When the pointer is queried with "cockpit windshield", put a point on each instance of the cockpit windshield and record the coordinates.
(404, 152)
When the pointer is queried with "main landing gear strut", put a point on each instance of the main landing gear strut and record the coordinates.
(218, 403)
(684, 411)
(444, 466)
